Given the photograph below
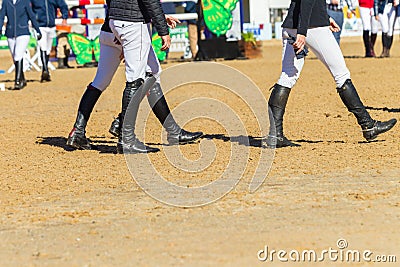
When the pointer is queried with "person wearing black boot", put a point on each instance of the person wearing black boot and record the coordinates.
(18, 34)
(369, 18)
(175, 134)
(387, 16)
(308, 21)
(46, 11)
(63, 50)
(110, 54)
(77, 138)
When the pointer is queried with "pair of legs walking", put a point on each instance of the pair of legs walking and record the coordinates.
(135, 90)
(17, 48)
(45, 44)
(370, 30)
(388, 20)
(322, 43)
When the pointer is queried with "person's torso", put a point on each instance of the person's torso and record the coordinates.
(17, 18)
(318, 14)
(45, 12)
(366, 3)
(128, 10)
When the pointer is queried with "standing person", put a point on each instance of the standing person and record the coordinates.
(308, 23)
(46, 11)
(335, 11)
(130, 23)
(191, 7)
(18, 13)
(110, 52)
(369, 18)
(387, 15)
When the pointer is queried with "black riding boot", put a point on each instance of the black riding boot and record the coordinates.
(367, 44)
(371, 128)
(19, 75)
(176, 135)
(385, 52)
(134, 92)
(373, 41)
(77, 138)
(389, 44)
(277, 104)
(45, 70)
(67, 53)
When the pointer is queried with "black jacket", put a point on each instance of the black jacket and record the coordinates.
(305, 14)
(140, 11)
(106, 25)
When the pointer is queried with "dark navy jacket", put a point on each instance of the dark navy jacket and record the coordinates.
(45, 11)
(305, 14)
(18, 16)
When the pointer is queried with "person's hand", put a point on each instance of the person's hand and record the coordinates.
(377, 18)
(333, 25)
(395, 3)
(300, 43)
(172, 21)
(166, 42)
(350, 13)
(64, 22)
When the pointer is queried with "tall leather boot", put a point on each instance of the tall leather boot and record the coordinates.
(389, 44)
(370, 128)
(156, 99)
(176, 135)
(384, 45)
(277, 104)
(373, 41)
(45, 70)
(367, 44)
(133, 94)
(23, 80)
(77, 138)
(67, 53)
(19, 77)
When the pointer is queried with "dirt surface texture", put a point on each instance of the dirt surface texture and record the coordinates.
(62, 207)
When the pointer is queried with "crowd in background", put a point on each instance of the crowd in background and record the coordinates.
(373, 13)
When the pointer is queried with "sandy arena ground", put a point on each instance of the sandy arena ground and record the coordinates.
(82, 208)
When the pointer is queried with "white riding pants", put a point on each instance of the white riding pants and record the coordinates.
(323, 44)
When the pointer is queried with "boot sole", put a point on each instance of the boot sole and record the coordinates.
(121, 151)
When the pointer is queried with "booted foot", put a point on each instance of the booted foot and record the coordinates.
(279, 141)
(114, 128)
(78, 141)
(378, 128)
(45, 77)
(183, 137)
(19, 85)
(135, 147)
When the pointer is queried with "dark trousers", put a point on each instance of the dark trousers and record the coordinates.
(339, 18)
